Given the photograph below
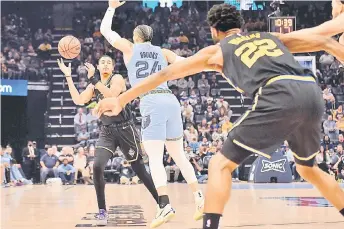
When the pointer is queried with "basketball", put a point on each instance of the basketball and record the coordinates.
(69, 47)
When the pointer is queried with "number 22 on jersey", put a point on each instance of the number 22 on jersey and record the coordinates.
(250, 52)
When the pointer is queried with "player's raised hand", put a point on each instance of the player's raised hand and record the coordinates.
(67, 71)
(115, 3)
(108, 106)
(90, 70)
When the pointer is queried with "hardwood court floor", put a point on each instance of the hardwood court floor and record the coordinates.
(252, 206)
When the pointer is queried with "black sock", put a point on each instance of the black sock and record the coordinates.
(342, 212)
(163, 201)
(211, 221)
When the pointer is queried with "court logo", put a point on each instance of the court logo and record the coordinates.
(277, 166)
(119, 216)
(146, 120)
(303, 201)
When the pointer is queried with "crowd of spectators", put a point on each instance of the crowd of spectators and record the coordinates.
(207, 117)
(23, 51)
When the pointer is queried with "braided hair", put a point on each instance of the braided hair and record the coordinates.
(224, 17)
(145, 32)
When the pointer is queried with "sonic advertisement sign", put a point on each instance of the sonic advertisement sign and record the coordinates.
(13, 87)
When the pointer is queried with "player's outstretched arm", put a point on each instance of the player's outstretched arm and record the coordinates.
(189, 66)
(111, 36)
(78, 98)
(297, 43)
(329, 28)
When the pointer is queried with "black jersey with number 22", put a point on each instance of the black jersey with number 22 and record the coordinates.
(251, 59)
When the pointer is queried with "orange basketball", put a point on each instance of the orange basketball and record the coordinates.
(69, 47)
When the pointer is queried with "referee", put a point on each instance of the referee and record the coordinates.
(115, 130)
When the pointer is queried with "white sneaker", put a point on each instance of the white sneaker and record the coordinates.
(162, 216)
(102, 218)
(199, 200)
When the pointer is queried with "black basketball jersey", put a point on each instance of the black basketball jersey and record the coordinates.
(125, 114)
(251, 59)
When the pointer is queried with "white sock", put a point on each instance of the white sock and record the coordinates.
(198, 195)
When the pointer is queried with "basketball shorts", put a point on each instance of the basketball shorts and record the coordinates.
(161, 118)
(287, 108)
(124, 136)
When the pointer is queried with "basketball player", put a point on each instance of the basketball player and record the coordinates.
(288, 104)
(160, 110)
(115, 131)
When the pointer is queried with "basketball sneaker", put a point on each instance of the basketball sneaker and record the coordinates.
(199, 200)
(102, 218)
(162, 216)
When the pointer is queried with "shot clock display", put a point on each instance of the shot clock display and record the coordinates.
(282, 24)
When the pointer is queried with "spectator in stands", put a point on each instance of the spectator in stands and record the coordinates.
(44, 50)
(214, 86)
(217, 135)
(190, 133)
(194, 144)
(340, 123)
(197, 164)
(330, 128)
(48, 35)
(92, 121)
(326, 142)
(323, 160)
(80, 121)
(80, 162)
(227, 125)
(82, 71)
(55, 150)
(339, 166)
(326, 60)
(185, 51)
(187, 111)
(210, 114)
(182, 84)
(66, 153)
(221, 102)
(329, 98)
(21, 68)
(16, 173)
(170, 166)
(30, 51)
(42, 72)
(83, 137)
(39, 36)
(183, 39)
(13, 70)
(203, 85)
(97, 33)
(341, 139)
(30, 155)
(82, 85)
(49, 163)
(191, 84)
(339, 110)
(66, 172)
(127, 174)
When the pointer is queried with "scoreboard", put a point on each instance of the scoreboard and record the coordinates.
(282, 24)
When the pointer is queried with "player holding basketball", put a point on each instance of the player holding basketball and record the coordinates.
(160, 109)
(115, 131)
(288, 103)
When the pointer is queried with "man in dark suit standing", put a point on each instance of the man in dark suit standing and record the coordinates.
(30, 155)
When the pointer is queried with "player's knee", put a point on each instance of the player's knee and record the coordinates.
(219, 162)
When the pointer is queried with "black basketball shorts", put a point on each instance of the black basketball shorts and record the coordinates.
(124, 136)
(287, 108)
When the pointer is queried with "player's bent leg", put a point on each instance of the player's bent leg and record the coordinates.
(218, 189)
(176, 150)
(325, 183)
(155, 150)
(139, 168)
(102, 156)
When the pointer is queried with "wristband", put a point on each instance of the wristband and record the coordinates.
(94, 80)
